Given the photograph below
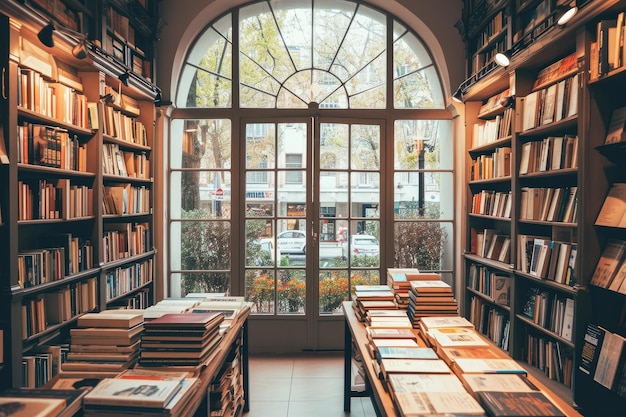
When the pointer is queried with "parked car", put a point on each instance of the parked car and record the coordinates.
(361, 245)
(291, 241)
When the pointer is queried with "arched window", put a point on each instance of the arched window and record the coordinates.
(291, 66)
(333, 53)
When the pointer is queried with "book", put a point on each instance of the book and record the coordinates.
(613, 210)
(488, 366)
(29, 406)
(4, 157)
(605, 45)
(72, 398)
(148, 393)
(497, 382)
(432, 394)
(425, 366)
(592, 343)
(389, 352)
(115, 320)
(607, 266)
(518, 404)
(615, 131)
(451, 354)
(609, 359)
(435, 322)
(446, 338)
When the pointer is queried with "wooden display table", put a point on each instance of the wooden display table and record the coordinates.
(356, 335)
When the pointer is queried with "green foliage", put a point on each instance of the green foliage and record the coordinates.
(419, 244)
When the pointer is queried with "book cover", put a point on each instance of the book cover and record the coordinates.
(606, 268)
(609, 359)
(419, 366)
(518, 404)
(115, 320)
(613, 209)
(186, 320)
(434, 322)
(72, 398)
(615, 131)
(428, 394)
(488, 366)
(497, 382)
(148, 393)
(592, 343)
(29, 406)
(406, 353)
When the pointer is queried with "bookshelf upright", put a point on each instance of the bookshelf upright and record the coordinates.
(557, 185)
(77, 237)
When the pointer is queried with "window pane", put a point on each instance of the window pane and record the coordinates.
(193, 282)
(365, 147)
(261, 290)
(203, 245)
(423, 144)
(291, 291)
(418, 90)
(420, 244)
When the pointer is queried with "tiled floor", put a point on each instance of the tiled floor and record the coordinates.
(301, 385)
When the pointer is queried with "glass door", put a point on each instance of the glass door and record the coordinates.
(312, 220)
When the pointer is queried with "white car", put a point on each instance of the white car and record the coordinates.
(291, 241)
(361, 245)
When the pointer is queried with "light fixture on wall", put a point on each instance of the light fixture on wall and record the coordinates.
(80, 50)
(124, 78)
(458, 95)
(567, 13)
(503, 58)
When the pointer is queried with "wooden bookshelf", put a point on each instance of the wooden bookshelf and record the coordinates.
(66, 255)
(557, 190)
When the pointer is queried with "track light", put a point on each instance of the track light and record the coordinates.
(568, 13)
(503, 58)
(124, 78)
(45, 35)
(458, 95)
(80, 50)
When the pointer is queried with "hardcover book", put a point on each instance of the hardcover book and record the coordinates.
(29, 406)
(149, 393)
(104, 319)
(497, 382)
(518, 404)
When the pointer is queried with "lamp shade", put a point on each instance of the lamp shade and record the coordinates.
(45, 35)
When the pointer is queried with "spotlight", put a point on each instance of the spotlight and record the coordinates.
(80, 50)
(458, 95)
(157, 97)
(503, 58)
(568, 13)
(507, 101)
(124, 78)
(45, 35)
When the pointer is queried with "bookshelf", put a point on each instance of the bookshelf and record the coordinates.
(558, 181)
(607, 301)
(79, 236)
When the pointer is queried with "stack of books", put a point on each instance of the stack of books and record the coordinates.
(398, 279)
(171, 305)
(230, 306)
(104, 343)
(226, 388)
(431, 298)
(141, 392)
(180, 339)
(372, 297)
